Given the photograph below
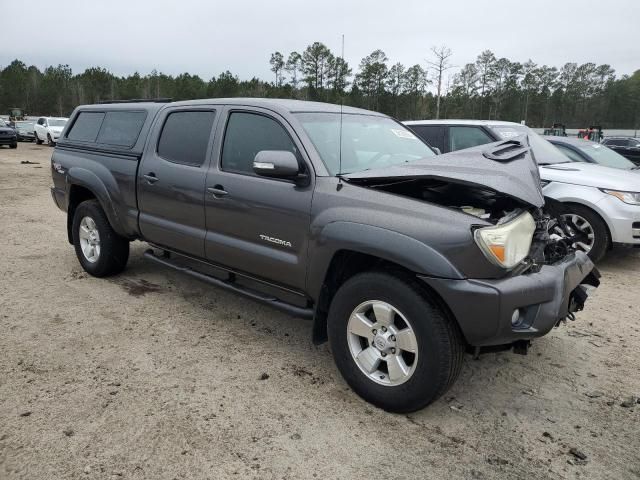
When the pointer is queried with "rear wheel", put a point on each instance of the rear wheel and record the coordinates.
(50, 141)
(393, 344)
(37, 139)
(14, 145)
(100, 250)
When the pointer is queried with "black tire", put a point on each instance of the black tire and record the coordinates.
(114, 249)
(439, 341)
(14, 145)
(602, 238)
(50, 141)
(37, 139)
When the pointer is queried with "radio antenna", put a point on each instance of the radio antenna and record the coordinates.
(341, 72)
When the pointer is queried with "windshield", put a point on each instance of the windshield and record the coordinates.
(605, 156)
(3, 123)
(57, 122)
(543, 151)
(367, 141)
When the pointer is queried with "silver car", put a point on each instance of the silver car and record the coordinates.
(602, 203)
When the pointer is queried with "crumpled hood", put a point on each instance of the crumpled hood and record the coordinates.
(506, 167)
(592, 175)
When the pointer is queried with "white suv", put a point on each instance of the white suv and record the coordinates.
(602, 203)
(49, 129)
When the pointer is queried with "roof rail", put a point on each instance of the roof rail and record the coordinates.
(137, 100)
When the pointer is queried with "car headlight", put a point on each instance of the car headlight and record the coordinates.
(632, 198)
(507, 244)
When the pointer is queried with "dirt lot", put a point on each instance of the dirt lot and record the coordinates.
(154, 375)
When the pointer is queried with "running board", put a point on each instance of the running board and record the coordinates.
(229, 285)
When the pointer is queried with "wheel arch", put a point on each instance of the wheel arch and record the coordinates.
(347, 263)
(597, 211)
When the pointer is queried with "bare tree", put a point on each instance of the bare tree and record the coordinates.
(440, 65)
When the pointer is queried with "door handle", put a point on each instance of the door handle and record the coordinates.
(217, 191)
(151, 177)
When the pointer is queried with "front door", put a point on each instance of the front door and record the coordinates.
(171, 179)
(255, 224)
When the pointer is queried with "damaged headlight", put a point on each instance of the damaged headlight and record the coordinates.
(632, 198)
(507, 244)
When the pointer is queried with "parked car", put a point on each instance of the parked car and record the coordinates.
(8, 135)
(600, 202)
(25, 131)
(587, 151)
(339, 215)
(628, 147)
(48, 129)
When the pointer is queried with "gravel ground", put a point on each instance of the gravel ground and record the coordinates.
(151, 374)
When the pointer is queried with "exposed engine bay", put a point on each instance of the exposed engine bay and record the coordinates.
(553, 239)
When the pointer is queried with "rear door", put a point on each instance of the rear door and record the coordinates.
(257, 225)
(171, 179)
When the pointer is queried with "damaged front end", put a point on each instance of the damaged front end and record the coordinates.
(545, 280)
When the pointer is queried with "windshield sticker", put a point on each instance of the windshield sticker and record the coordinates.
(509, 133)
(403, 134)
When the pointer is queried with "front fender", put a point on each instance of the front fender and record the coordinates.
(376, 241)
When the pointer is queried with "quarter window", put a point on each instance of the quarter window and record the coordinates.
(185, 137)
(246, 135)
(467, 137)
(86, 127)
(121, 128)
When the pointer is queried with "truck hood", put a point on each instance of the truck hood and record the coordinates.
(507, 167)
(591, 175)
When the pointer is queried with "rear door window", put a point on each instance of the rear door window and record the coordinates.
(467, 137)
(185, 137)
(431, 134)
(86, 127)
(121, 128)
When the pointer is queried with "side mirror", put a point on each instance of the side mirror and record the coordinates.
(276, 164)
(437, 150)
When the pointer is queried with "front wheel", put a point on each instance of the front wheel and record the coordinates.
(593, 235)
(37, 138)
(50, 141)
(100, 250)
(393, 344)
(14, 145)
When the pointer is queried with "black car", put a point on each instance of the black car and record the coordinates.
(579, 150)
(25, 130)
(8, 135)
(628, 147)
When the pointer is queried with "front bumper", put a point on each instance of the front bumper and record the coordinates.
(623, 219)
(8, 140)
(26, 137)
(484, 308)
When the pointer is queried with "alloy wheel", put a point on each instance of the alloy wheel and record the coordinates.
(382, 343)
(89, 239)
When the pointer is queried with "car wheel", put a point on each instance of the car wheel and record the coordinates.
(50, 141)
(591, 227)
(393, 344)
(14, 145)
(37, 139)
(100, 250)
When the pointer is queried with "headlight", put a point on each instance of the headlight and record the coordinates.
(506, 245)
(631, 198)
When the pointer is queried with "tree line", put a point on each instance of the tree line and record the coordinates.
(576, 95)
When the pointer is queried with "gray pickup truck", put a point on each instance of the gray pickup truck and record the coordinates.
(403, 259)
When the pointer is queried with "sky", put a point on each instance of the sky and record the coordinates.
(208, 37)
